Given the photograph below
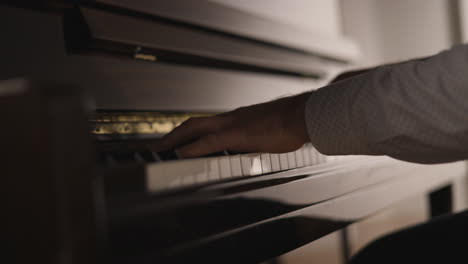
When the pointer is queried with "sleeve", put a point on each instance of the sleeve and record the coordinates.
(415, 111)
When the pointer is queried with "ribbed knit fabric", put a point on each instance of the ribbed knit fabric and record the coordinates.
(415, 111)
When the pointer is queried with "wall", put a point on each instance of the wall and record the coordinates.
(463, 13)
(395, 30)
(316, 15)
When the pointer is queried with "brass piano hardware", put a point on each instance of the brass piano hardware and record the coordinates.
(138, 123)
(146, 57)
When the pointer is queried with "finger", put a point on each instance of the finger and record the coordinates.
(190, 129)
(216, 142)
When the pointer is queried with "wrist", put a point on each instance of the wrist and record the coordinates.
(297, 117)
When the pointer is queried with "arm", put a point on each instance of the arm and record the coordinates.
(275, 127)
(354, 73)
(413, 111)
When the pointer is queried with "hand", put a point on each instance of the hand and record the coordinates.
(274, 127)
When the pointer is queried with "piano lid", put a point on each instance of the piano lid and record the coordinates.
(142, 38)
(179, 65)
(153, 39)
(222, 18)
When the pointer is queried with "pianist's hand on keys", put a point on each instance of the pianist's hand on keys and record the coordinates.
(274, 127)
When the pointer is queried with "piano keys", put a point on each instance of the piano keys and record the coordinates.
(165, 170)
(165, 173)
(177, 173)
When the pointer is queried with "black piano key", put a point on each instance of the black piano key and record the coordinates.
(231, 153)
(224, 153)
(128, 153)
(107, 159)
(149, 156)
(138, 158)
(216, 154)
(155, 156)
(123, 157)
(168, 155)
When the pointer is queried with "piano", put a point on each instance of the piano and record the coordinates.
(87, 86)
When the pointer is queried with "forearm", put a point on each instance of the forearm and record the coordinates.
(414, 111)
(348, 74)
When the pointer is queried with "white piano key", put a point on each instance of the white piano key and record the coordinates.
(266, 163)
(256, 168)
(275, 162)
(236, 167)
(283, 157)
(203, 177)
(189, 179)
(246, 164)
(160, 176)
(306, 154)
(299, 158)
(322, 158)
(292, 160)
(314, 156)
(214, 172)
(317, 156)
(173, 183)
(225, 167)
(330, 158)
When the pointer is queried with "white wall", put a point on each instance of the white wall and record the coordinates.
(360, 22)
(463, 9)
(395, 30)
(316, 15)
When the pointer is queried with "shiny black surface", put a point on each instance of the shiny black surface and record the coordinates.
(230, 221)
(118, 82)
(202, 226)
(50, 189)
(96, 30)
(220, 18)
(277, 237)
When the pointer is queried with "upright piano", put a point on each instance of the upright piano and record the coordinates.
(88, 86)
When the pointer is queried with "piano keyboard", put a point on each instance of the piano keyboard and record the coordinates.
(178, 173)
(122, 140)
(164, 170)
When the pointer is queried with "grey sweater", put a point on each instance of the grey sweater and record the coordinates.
(415, 111)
